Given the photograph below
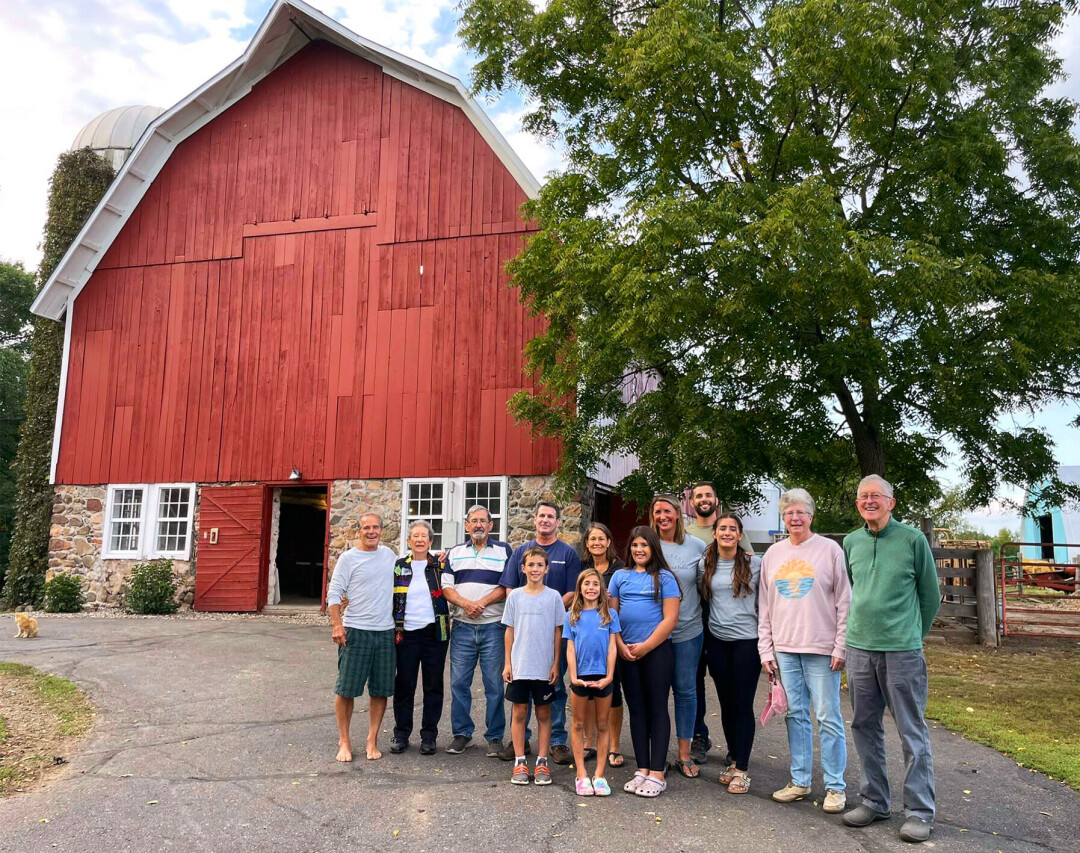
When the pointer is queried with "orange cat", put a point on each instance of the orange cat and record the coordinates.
(27, 626)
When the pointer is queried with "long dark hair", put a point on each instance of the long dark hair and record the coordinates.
(656, 563)
(740, 572)
(587, 561)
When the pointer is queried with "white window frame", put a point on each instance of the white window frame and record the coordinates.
(107, 550)
(148, 522)
(406, 518)
(501, 520)
(152, 528)
(453, 515)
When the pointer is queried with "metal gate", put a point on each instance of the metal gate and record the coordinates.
(1038, 598)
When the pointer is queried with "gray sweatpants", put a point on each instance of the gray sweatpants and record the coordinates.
(896, 680)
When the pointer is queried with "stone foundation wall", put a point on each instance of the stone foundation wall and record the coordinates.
(527, 492)
(78, 521)
(75, 549)
(350, 499)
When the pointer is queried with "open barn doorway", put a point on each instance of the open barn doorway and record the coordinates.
(297, 553)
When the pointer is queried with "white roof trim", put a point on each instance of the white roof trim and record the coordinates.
(288, 27)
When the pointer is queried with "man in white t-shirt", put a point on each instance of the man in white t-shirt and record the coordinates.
(364, 633)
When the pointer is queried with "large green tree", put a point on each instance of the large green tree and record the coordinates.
(839, 237)
(77, 185)
(16, 294)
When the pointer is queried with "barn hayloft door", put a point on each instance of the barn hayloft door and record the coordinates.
(229, 556)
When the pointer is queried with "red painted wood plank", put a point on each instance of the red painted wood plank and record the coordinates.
(220, 302)
(321, 306)
(380, 394)
(426, 425)
(500, 428)
(420, 169)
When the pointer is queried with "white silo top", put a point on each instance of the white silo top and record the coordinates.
(114, 133)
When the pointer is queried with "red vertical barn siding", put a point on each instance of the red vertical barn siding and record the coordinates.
(314, 280)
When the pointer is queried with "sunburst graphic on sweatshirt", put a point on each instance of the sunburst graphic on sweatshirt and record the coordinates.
(795, 579)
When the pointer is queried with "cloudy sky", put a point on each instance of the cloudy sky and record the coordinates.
(65, 61)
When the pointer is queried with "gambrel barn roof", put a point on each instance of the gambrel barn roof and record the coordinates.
(289, 26)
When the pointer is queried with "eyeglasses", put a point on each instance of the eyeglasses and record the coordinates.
(875, 496)
(796, 513)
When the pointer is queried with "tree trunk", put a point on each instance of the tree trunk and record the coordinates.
(868, 450)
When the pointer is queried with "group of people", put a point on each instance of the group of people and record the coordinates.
(691, 600)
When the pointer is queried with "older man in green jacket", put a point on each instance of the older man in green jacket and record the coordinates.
(894, 599)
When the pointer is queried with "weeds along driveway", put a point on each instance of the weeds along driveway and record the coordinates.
(218, 734)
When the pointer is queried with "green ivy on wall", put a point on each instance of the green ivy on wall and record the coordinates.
(77, 185)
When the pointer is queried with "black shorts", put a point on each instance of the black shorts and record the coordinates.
(592, 692)
(521, 690)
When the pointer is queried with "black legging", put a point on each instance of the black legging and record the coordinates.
(419, 649)
(735, 668)
(646, 685)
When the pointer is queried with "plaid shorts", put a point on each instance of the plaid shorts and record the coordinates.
(367, 657)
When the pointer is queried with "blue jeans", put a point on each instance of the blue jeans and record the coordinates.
(558, 707)
(808, 678)
(469, 645)
(687, 655)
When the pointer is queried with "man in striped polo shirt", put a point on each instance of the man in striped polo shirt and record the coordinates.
(471, 585)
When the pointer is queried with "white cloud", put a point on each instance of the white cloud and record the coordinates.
(74, 60)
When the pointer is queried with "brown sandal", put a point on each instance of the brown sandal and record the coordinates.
(740, 782)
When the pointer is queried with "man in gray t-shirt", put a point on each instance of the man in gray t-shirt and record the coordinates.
(363, 632)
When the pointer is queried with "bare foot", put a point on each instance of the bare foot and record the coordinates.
(373, 752)
(344, 752)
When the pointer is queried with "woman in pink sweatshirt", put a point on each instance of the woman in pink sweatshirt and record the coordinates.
(803, 599)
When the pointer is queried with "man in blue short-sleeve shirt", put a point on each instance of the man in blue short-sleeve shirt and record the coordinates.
(564, 565)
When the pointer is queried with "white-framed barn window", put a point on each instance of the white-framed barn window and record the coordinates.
(125, 511)
(174, 508)
(425, 500)
(489, 492)
(148, 520)
(443, 504)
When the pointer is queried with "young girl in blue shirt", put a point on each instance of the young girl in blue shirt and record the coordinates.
(646, 597)
(590, 627)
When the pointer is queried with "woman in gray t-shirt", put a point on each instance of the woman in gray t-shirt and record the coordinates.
(682, 553)
(728, 581)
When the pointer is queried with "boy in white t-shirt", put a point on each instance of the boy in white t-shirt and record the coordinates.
(533, 618)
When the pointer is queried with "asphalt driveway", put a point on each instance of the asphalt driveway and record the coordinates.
(227, 726)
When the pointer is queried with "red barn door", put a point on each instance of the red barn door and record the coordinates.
(229, 555)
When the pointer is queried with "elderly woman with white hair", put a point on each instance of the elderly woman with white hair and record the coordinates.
(422, 637)
(803, 598)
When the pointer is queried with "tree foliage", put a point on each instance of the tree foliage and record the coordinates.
(77, 185)
(839, 237)
(16, 294)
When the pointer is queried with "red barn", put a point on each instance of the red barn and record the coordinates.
(291, 307)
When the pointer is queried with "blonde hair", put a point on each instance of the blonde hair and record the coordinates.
(676, 504)
(577, 603)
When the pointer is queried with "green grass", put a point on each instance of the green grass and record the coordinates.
(1019, 700)
(69, 714)
(59, 695)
